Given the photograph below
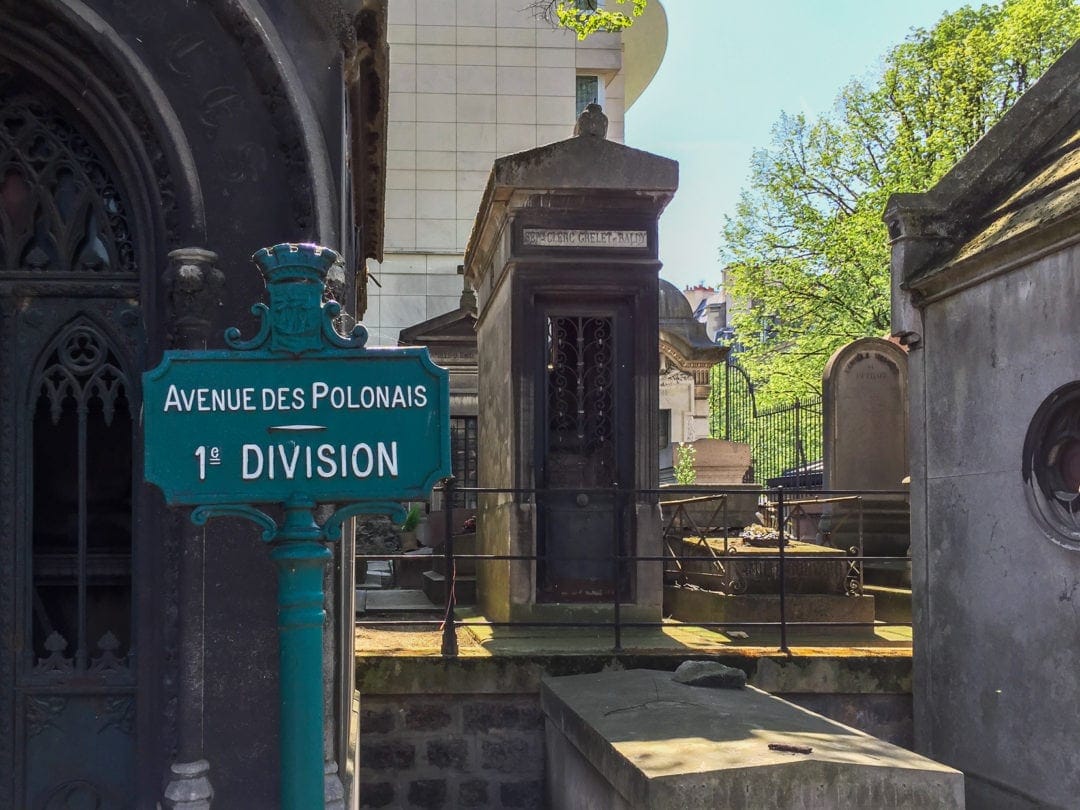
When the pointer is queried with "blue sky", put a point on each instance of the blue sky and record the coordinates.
(730, 69)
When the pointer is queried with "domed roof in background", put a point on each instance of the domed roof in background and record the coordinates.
(680, 329)
(673, 303)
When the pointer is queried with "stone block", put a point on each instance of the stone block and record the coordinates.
(476, 35)
(435, 78)
(435, 55)
(427, 717)
(473, 793)
(476, 12)
(386, 756)
(476, 78)
(510, 138)
(475, 55)
(376, 721)
(516, 57)
(516, 110)
(529, 794)
(436, 34)
(451, 752)
(637, 739)
(427, 793)
(557, 111)
(554, 81)
(720, 462)
(477, 108)
(519, 81)
(376, 794)
(490, 715)
(476, 138)
(507, 755)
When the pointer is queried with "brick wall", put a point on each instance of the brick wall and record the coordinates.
(451, 751)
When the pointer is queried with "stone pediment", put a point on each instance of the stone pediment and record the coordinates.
(585, 162)
(457, 327)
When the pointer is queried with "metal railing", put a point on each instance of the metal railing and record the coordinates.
(785, 440)
(782, 510)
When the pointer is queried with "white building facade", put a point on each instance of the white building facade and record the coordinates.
(472, 80)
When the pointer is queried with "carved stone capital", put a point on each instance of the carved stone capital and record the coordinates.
(193, 291)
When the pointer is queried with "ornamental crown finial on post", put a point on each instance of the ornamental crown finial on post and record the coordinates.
(297, 321)
(290, 262)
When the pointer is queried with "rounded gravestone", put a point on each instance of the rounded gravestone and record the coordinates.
(864, 432)
(864, 395)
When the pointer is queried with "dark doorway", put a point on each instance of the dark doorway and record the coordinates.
(582, 453)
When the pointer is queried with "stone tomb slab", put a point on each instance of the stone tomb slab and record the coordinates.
(637, 739)
(692, 605)
(733, 565)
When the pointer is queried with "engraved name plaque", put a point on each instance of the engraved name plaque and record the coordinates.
(574, 237)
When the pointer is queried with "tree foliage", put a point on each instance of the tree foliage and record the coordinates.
(585, 17)
(683, 469)
(806, 253)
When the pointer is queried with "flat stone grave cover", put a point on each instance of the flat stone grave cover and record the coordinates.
(660, 744)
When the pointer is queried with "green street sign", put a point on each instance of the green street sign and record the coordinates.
(297, 415)
(298, 411)
(226, 427)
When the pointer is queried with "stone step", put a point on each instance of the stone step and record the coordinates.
(463, 544)
(377, 581)
(890, 604)
(408, 573)
(435, 588)
(380, 574)
(403, 600)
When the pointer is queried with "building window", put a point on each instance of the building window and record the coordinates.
(81, 560)
(463, 456)
(665, 427)
(590, 90)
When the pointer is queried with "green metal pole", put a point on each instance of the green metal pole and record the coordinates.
(300, 559)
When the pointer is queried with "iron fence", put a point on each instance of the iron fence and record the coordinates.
(691, 543)
(785, 440)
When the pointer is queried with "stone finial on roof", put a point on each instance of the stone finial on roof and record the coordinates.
(592, 122)
(468, 299)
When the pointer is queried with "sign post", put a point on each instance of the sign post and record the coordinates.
(298, 415)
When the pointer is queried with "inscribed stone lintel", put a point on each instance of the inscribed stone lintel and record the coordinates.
(580, 237)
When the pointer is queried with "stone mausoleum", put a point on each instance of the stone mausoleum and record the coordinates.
(564, 260)
(146, 151)
(986, 276)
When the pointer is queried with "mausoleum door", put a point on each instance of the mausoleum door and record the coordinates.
(68, 370)
(584, 432)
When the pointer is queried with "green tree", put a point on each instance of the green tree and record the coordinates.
(806, 252)
(586, 17)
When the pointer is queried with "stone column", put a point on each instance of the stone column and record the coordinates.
(193, 287)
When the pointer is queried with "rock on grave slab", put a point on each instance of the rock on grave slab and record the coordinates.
(711, 674)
